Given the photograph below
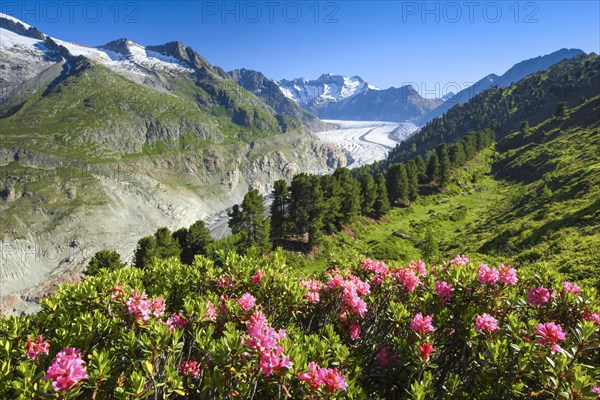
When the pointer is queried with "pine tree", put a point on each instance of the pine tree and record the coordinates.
(421, 168)
(198, 240)
(306, 207)
(397, 183)
(457, 154)
(382, 203)
(279, 209)
(413, 181)
(235, 219)
(431, 250)
(255, 226)
(145, 252)
(445, 164)
(368, 190)
(433, 167)
(332, 202)
(350, 198)
(104, 260)
(166, 245)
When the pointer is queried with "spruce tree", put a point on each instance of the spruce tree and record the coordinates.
(306, 207)
(279, 209)
(145, 252)
(433, 167)
(382, 203)
(104, 260)
(198, 240)
(166, 245)
(368, 190)
(332, 202)
(413, 181)
(445, 164)
(255, 226)
(397, 183)
(235, 219)
(421, 169)
(457, 154)
(350, 199)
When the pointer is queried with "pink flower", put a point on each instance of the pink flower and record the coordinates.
(377, 267)
(407, 278)
(316, 377)
(538, 296)
(66, 370)
(189, 368)
(332, 379)
(422, 324)
(176, 321)
(571, 288)
(486, 323)
(211, 311)
(596, 389)
(354, 331)
(313, 287)
(459, 260)
(425, 349)
(385, 357)
(487, 275)
(157, 306)
(311, 376)
(273, 360)
(594, 317)
(418, 266)
(444, 291)
(508, 275)
(139, 306)
(261, 335)
(225, 282)
(116, 293)
(36, 347)
(246, 301)
(376, 280)
(257, 277)
(550, 333)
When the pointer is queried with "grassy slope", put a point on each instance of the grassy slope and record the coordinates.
(496, 206)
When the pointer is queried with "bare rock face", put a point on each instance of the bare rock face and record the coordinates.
(8, 194)
(71, 192)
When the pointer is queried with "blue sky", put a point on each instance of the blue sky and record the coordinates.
(387, 43)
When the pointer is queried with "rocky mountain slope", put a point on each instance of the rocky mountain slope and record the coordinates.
(101, 145)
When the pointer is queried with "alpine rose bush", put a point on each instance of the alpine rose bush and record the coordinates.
(253, 327)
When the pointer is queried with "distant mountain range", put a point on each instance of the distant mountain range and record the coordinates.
(514, 74)
(351, 98)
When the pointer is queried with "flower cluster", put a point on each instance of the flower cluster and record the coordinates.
(572, 288)
(385, 357)
(211, 311)
(422, 324)
(508, 274)
(353, 289)
(313, 287)
(142, 309)
(550, 333)
(225, 282)
(488, 275)
(176, 321)
(538, 296)
(331, 378)
(459, 260)
(425, 350)
(189, 368)
(247, 301)
(407, 277)
(265, 340)
(486, 323)
(444, 291)
(36, 347)
(66, 370)
(257, 277)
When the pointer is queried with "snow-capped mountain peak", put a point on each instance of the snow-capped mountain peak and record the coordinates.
(327, 88)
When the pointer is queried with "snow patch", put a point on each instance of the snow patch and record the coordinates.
(6, 16)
